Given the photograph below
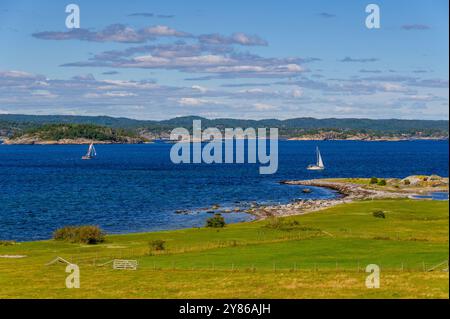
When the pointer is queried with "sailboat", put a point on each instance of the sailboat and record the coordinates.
(319, 165)
(91, 153)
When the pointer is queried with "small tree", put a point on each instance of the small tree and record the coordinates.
(217, 221)
(407, 182)
(157, 245)
(378, 214)
(382, 182)
(373, 180)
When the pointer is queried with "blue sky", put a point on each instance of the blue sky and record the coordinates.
(241, 59)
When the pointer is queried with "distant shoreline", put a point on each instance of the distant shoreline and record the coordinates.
(67, 142)
(86, 142)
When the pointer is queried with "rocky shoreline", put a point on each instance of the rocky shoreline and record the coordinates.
(80, 141)
(349, 192)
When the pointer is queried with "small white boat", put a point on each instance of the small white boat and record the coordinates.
(319, 165)
(91, 153)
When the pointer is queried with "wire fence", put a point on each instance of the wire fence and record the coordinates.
(329, 266)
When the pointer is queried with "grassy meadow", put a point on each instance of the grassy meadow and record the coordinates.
(317, 255)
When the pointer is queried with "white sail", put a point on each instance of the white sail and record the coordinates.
(93, 152)
(319, 159)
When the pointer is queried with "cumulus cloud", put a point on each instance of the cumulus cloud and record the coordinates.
(24, 92)
(112, 94)
(113, 33)
(164, 31)
(236, 38)
(197, 58)
(126, 34)
(199, 88)
(43, 94)
(296, 93)
(190, 101)
(264, 107)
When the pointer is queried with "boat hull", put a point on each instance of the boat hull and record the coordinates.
(315, 168)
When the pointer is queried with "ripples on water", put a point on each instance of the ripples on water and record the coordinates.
(135, 188)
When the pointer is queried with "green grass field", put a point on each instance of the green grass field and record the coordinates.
(318, 255)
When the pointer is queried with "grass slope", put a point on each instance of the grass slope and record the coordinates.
(321, 255)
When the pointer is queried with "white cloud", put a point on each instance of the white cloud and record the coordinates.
(296, 93)
(264, 107)
(162, 30)
(44, 94)
(191, 101)
(199, 88)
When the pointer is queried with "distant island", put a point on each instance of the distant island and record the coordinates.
(73, 134)
(66, 129)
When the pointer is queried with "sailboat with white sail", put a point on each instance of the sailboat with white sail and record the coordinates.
(319, 165)
(91, 153)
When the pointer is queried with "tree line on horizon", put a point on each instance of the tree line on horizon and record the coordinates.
(16, 124)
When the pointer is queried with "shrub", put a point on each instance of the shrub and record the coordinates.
(87, 234)
(382, 182)
(287, 225)
(217, 221)
(373, 180)
(7, 242)
(378, 214)
(407, 182)
(157, 244)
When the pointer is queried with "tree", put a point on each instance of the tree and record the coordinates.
(217, 221)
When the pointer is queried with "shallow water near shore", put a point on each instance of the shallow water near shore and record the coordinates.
(136, 188)
(433, 196)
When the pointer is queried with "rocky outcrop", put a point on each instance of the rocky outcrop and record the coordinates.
(349, 192)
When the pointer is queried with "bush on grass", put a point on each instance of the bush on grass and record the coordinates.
(86, 234)
(217, 221)
(379, 214)
(157, 245)
(382, 182)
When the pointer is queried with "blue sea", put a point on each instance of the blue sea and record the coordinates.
(136, 188)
